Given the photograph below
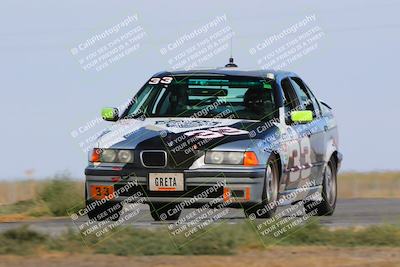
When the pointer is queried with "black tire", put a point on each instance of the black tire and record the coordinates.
(110, 211)
(329, 193)
(267, 207)
(159, 212)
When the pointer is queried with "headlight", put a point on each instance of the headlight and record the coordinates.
(215, 157)
(108, 155)
(111, 155)
(234, 157)
(248, 158)
(125, 156)
(230, 158)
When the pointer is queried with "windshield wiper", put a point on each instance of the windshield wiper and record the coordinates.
(136, 115)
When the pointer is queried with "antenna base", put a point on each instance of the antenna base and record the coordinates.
(231, 64)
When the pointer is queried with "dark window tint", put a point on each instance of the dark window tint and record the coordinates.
(291, 101)
(206, 97)
(307, 99)
(316, 104)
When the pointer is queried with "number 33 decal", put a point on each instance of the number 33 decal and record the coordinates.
(216, 132)
(164, 80)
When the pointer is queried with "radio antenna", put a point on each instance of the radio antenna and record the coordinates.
(231, 45)
(231, 64)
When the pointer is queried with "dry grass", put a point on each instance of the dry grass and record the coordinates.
(273, 257)
(14, 191)
(369, 185)
(227, 239)
(351, 185)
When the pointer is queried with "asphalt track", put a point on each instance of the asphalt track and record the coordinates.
(349, 213)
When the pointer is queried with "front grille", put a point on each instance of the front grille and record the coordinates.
(191, 191)
(154, 158)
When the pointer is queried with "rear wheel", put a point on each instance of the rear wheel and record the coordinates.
(164, 211)
(329, 193)
(267, 207)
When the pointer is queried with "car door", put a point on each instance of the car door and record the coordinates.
(290, 140)
(311, 135)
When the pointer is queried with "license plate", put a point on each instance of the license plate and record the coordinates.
(166, 182)
(101, 191)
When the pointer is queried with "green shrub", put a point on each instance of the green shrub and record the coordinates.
(20, 241)
(70, 241)
(61, 195)
(18, 207)
(221, 239)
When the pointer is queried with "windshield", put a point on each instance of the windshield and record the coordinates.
(205, 97)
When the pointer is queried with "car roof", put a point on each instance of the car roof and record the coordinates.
(230, 71)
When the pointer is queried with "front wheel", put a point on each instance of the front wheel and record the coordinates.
(267, 207)
(327, 205)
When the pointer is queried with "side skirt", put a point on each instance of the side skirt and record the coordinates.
(292, 196)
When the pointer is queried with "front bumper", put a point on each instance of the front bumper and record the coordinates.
(233, 188)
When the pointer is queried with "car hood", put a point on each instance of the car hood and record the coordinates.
(130, 133)
(186, 138)
(181, 137)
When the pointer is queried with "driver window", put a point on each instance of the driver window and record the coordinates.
(306, 102)
(290, 98)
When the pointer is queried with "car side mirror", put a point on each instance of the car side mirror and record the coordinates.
(110, 114)
(302, 116)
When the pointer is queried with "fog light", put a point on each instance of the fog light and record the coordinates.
(236, 194)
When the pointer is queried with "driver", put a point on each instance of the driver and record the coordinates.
(258, 101)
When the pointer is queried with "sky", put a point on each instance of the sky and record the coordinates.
(52, 87)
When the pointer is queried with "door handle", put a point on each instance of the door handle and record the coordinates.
(325, 128)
